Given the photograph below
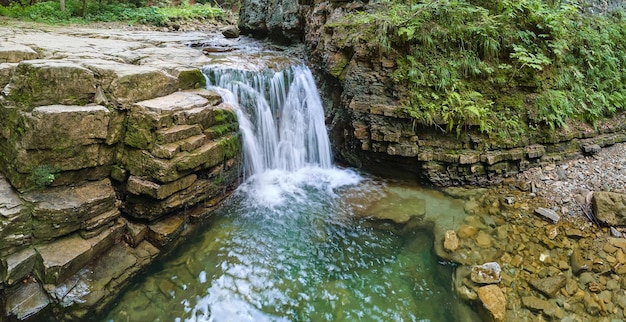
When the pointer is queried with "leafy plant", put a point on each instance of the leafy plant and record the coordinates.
(457, 58)
(43, 176)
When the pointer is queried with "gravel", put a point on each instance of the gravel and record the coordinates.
(567, 187)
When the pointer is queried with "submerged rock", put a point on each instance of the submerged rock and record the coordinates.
(451, 241)
(548, 214)
(488, 273)
(494, 302)
(549, 285)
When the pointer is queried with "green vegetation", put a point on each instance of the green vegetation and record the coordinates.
(43, 176)
(501, 66)
(99, 11)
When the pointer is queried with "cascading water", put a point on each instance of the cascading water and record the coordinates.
(280, 116)
(287, 245)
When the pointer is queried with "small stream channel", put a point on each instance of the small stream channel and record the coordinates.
(298, 240)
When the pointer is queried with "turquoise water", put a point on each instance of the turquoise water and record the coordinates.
(300, 247)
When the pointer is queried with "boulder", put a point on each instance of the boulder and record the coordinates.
(230, 32)
(609, 207)
(493, 301)
(281, 19)
(451, 241)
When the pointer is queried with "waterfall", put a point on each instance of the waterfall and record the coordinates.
(281, 117)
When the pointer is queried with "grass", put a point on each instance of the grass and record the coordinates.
(50, 12)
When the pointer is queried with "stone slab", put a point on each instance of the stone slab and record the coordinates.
(51, 81)
(15, 225)
(167, 229)
(174, 102)
(96, 285)
(139, 186)
(64, 126)
(26, 300)
(63, 210)
(135, 233)
(19, 265)
(15, 53)
(177, 133)
(129, 83)
(72, 158)
(62, 258)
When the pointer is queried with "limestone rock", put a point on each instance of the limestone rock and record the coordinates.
(549, 285)
(548, 214)
(135, 233)
(15, 226)
(15, 53)
(487, 273)
(127, 83)
(279, 19)
(6, 71)
(230, 32)
(539, 305)
(610, 207)
(49, 81)
(26, 300)
(494, 302)
(19, 265)
(76, 157)
(94, 287)
(62, 126)
(137, 185)
(62, 258)
(63, 210)
(451, 241)
(165, 230)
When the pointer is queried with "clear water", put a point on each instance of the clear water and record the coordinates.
(295, 242)
(305, 258)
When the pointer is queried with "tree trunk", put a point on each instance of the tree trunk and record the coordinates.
(62, 5)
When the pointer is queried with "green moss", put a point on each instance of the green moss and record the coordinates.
(231, 146)
(224, 116)
(190, 79)
(218, 131)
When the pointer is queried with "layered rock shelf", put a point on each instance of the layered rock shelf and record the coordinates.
(111, 149)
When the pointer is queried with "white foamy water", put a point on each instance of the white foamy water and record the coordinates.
(285, 141)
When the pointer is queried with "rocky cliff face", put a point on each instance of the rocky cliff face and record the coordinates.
(110, 148)
(369, 130)
(281, 20)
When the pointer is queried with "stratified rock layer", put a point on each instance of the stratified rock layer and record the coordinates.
(104, 139)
